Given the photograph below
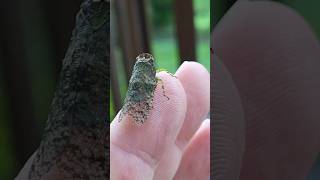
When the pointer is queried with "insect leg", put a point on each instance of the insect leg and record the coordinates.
(162, 86)
(164, 70)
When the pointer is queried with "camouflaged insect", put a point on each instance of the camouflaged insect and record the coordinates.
(142, 84)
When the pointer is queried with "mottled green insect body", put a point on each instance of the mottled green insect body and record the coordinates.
(142, 84)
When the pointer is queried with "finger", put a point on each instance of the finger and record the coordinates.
(53, 174)
(273, 58)
(195, 163)
(25, 171)
(228, 127)
(196, 83)
(136, 150)
(169, 163)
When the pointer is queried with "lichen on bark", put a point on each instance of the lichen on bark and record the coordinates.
(75, 141)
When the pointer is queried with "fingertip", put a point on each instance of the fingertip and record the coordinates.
(193, 67)
(196, 81)
(149, 140)
(206, 124)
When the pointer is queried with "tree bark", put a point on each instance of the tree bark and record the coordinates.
(75, 143)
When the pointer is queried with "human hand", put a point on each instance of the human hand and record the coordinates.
(174, 142)
(266, 94)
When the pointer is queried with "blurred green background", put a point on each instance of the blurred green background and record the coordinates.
(309, 9)
(164, 41)
(163, 37)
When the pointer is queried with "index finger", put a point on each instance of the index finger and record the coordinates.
(143, 146)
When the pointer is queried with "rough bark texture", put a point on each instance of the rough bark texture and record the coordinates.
(75, 143)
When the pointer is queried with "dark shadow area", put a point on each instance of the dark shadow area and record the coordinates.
(34, 38)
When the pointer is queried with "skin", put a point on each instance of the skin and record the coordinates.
(171, 142)
(174, 143)
(228, 138)
(272, 58)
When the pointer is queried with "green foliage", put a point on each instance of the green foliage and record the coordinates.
(162, 13)
(165, 53)
(202, 17)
